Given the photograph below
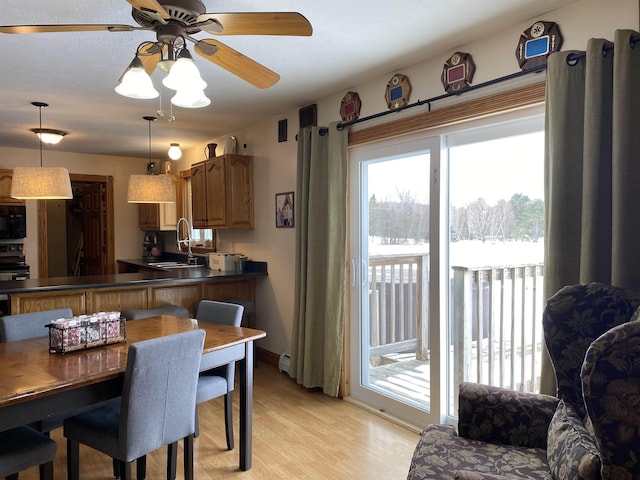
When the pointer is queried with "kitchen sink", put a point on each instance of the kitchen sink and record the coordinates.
(171, 265)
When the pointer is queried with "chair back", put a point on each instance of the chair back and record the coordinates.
(573, 318)
(159, 392)
(611, 384)
(220, 312)
(29, 325)
(226, 314)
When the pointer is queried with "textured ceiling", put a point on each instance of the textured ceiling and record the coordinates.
(353, 41)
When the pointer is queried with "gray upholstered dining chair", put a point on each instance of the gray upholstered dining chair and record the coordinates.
(23, 326)
(157, 407)
(29, 325)
(22, 448)
(219, 381)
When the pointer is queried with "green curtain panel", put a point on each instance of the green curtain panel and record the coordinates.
(321, 225)
(592, 168)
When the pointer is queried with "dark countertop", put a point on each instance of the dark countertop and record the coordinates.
(255, 269)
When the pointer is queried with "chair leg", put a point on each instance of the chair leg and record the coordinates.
(116, 468)
(46, 471)
(188, 458)
(228, 419)
(172, 460)
(125, 470)
(141, 468)
(197, 432)
(73, 460)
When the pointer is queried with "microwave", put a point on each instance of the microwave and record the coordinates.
(13, 222)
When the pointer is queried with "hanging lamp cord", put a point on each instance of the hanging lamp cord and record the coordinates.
(40, 140)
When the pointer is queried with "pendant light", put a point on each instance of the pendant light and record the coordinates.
(42, 183)
(151, 188)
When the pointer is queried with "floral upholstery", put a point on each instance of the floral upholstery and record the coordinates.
(611, 384)
(442, 454)
(592, 332)
(498, 415)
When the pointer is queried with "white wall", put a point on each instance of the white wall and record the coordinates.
(128, 236)
(275, 163)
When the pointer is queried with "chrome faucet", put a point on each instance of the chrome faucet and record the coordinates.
(186, 240)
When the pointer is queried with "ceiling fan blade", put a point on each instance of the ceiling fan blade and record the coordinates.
(81, 27)
(263, 23)
(150, 55)
(236, 63)
(149, 6)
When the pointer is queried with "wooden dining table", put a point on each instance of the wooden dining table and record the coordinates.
(35, 383)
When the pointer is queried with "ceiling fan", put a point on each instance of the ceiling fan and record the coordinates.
(175, 21)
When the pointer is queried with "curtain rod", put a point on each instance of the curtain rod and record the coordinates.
(572, 58)
(428, 101)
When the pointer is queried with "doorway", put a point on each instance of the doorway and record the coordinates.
(75, 237)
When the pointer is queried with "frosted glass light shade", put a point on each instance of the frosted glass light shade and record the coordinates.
(49, 135)
(190, 99)
(136, 83)
(174, 151)
(184, 74)
(151, 189)
(44, 183)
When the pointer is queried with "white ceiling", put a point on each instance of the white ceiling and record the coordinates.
(353, 41)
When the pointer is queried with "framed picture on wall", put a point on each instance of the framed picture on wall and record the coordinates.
(284, 210)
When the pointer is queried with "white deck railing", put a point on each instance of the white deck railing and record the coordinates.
(496, 312)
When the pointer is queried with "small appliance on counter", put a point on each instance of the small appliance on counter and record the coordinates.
(152, 245)
(225, 262)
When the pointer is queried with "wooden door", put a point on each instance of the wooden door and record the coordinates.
(94, 215)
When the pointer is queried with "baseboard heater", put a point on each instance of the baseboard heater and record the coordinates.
(283, 364)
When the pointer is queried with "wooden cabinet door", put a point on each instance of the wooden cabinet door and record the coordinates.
(240, 191)
(199, 195)
(216, 192)
(149, 216)
(5, 189)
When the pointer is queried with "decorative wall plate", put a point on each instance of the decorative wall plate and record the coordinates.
(350, 107)
(398, 91)
(536, 43)
(458, 71)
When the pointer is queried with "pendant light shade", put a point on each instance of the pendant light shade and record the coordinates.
(49, 135)
(41, 183)
(151, 189)
(44, 183)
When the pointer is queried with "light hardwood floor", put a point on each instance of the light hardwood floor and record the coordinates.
(297, 434)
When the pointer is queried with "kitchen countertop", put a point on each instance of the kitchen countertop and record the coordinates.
(255, 269)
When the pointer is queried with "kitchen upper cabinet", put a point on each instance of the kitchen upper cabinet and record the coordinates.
(159, 216)
(222, 192)
(5, 189)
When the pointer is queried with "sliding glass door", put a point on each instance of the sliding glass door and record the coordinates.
(390, 278)
(446, 266)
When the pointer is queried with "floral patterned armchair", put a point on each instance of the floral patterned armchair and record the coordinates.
(592, 333)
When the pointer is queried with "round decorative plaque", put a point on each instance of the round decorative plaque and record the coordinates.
(398, 91)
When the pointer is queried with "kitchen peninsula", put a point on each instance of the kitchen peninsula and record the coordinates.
(144, 288)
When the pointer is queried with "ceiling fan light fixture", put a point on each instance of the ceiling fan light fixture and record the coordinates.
(136, 83)
(188, 98)
(174, 151)
(49, 135)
